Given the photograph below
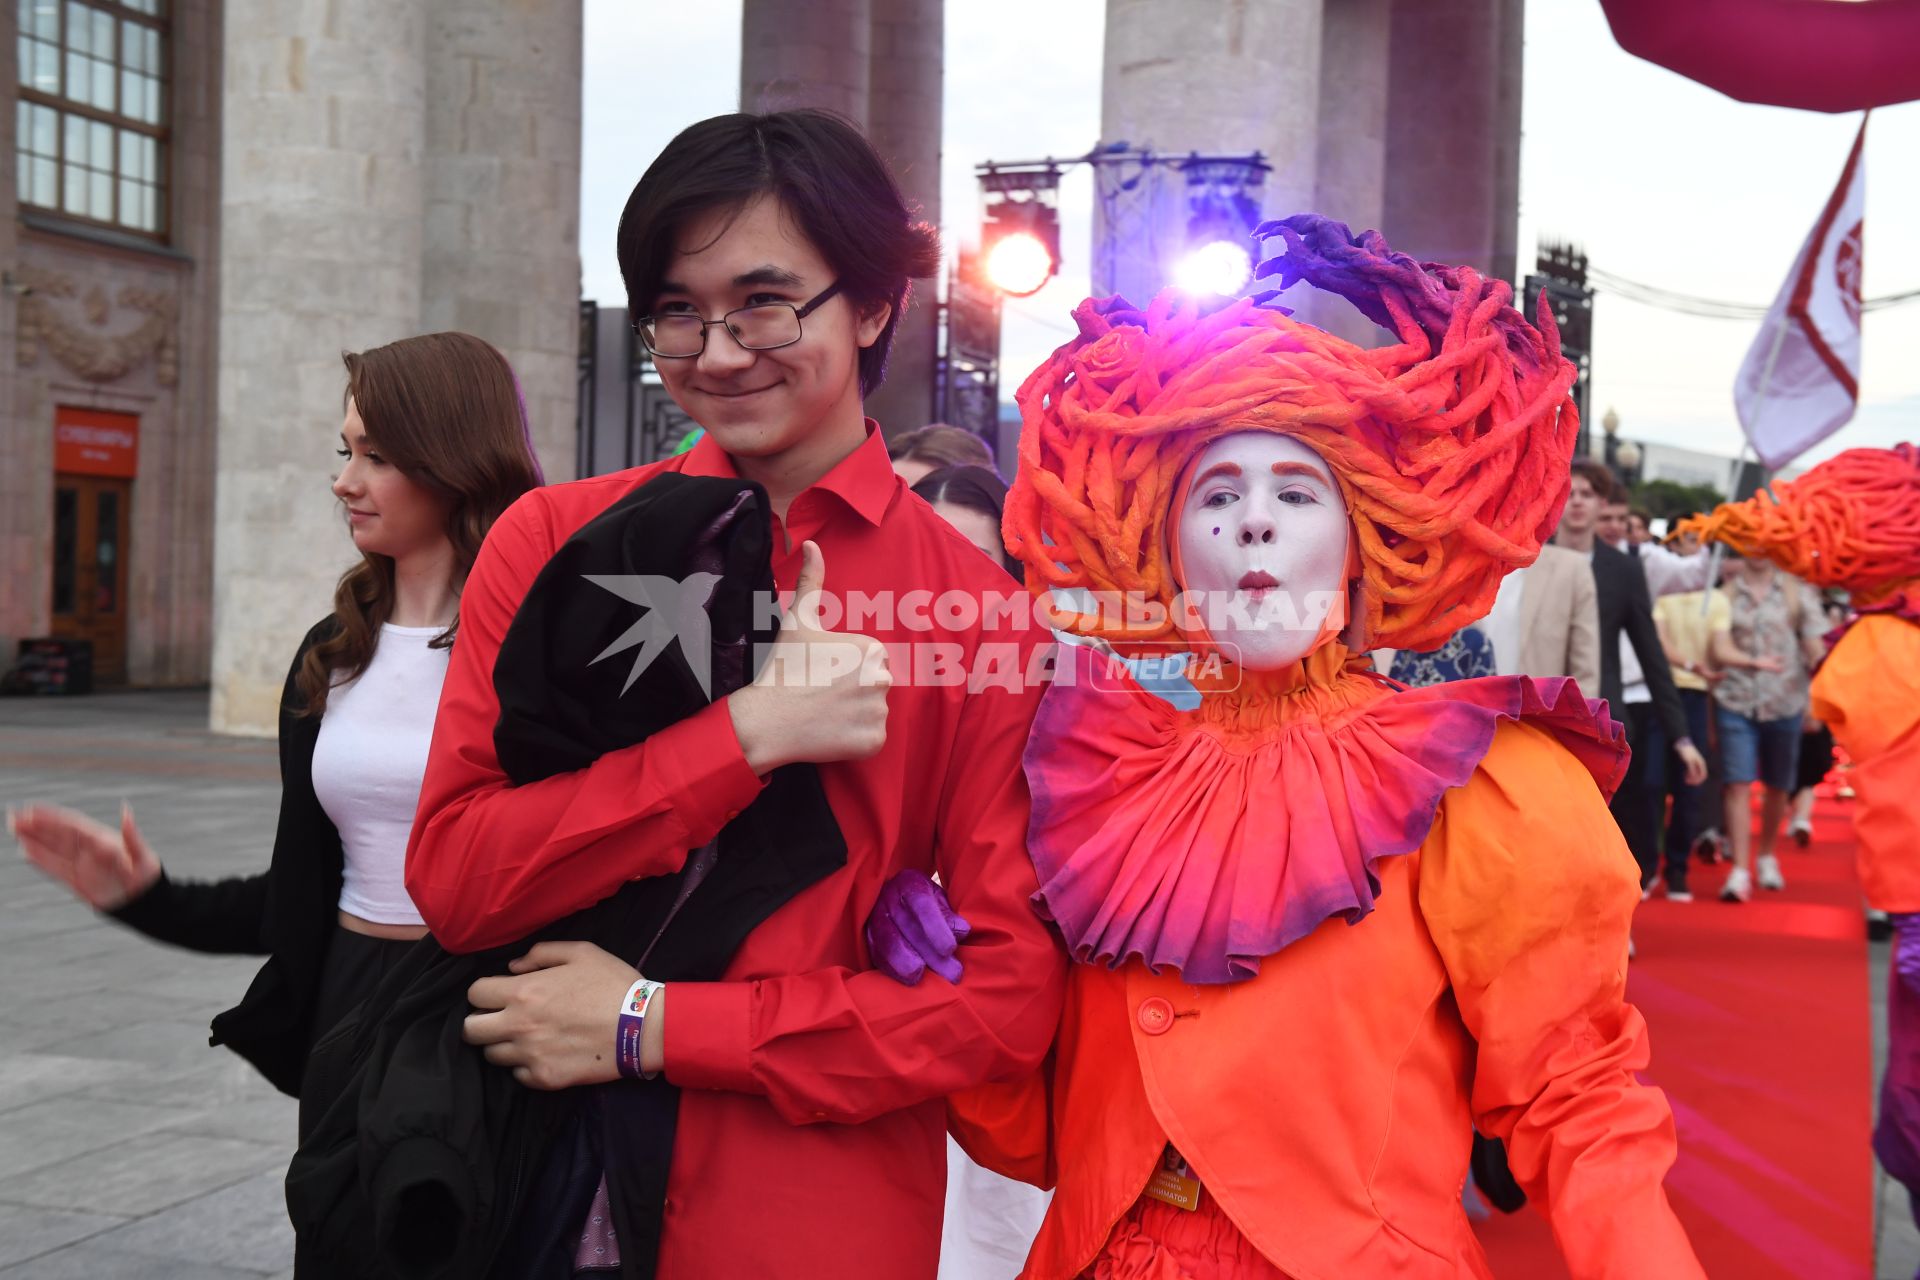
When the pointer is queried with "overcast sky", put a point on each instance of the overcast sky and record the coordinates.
(1662, 180)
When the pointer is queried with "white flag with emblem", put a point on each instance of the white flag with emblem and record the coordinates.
(1801, 379)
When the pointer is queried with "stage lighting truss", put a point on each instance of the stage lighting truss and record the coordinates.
(1020, 242)
(1020, 239)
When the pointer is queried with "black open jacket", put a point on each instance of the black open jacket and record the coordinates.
(1620, 585)
(286, 913)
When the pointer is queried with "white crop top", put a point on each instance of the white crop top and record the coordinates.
(368, 764)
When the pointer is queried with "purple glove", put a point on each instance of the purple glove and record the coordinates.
(913, 928)
(1906, 950)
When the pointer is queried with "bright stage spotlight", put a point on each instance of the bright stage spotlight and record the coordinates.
(1020, 239)
(1019, 264)
(1220, 269)
(1223, 207)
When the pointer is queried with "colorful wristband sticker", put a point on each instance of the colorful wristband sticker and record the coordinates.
(633, 1014)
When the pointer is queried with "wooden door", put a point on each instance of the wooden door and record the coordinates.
(90, 523)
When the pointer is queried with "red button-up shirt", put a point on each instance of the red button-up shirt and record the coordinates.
(810, 1139)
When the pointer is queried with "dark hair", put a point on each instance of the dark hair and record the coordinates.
(829, 179)
(1595, 473)
(943, 446)
(976, 489)
(1641, 514)
(446, 410)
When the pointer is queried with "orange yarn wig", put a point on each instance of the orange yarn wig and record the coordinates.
(1852, 522)
(1451, 447)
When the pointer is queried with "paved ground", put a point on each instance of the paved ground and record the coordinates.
(129, 1150)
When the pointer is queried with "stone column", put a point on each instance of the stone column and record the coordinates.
(500, 252)
(322, 194)
(806, 53)
(173, 534)
(1453, 137)
(1350, 180)
(904, 121)
(1183, 77)
(879, 63)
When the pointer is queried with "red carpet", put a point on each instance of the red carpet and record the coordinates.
(1760, 1020)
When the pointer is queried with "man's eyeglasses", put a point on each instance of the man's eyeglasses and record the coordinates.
(770, 325)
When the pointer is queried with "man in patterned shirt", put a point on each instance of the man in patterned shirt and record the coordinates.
(1768, 648)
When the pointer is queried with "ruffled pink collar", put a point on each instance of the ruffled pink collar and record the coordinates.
(1207, 840)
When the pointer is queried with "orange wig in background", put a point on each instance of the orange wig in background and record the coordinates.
(1852, 522)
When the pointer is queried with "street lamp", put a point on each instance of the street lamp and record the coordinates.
(1622, 456)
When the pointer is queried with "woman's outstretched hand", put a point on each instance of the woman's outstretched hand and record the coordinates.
(105, 868)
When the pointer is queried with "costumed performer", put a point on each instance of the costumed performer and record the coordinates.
(1324, 924)
(1853, 522)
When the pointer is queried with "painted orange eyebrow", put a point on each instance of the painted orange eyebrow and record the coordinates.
(1305, 469)
(1217, 469)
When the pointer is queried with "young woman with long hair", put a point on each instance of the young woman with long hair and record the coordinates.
(433, 448)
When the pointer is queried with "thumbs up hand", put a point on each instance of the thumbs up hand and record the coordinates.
(821, 695)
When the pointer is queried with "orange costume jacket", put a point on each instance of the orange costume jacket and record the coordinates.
(1868, 692)
(1326, 1102)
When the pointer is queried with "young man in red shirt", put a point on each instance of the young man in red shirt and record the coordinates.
(767, 260)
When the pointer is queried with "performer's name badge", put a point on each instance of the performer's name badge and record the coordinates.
(1175, 1182)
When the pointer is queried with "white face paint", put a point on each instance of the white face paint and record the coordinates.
(1263, 547)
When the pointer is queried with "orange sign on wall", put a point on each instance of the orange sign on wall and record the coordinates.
(92, 442)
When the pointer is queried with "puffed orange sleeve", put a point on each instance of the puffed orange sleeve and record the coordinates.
(1868, 693)
(1528, 891)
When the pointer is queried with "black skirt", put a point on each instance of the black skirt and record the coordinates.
(354, 966)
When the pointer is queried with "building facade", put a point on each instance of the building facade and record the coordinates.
(209, 203)
(109, 243)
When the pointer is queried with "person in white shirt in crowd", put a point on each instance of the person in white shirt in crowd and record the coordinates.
(1635, 678)
(1686, 622)
(1667, 573)
(1639, 527)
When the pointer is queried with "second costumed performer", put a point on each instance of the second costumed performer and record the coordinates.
(1853, 522)
(1324, 925)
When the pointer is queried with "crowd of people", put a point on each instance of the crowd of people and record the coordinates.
(694, 962)
(1711, 683)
